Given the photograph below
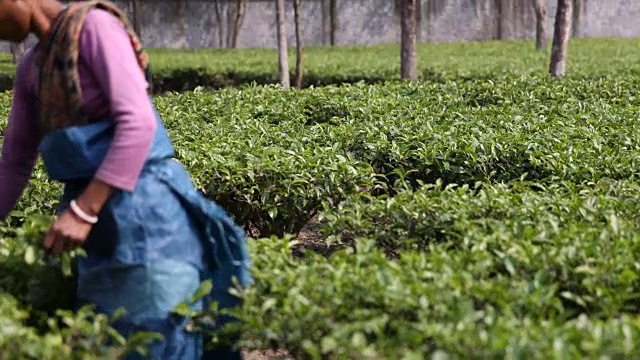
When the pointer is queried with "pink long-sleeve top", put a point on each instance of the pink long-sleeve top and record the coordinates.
(112, 85)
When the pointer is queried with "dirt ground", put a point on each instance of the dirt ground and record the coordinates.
(266, 355)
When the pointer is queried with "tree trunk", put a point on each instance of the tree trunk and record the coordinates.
(137, 17)
(218, 13)
(182, 24)
(333, 13)
(241, 8)
(542, 37)
(296, 11)
(500, 18)
(283, 56)
(326, 22)
(561, 33)
(230, 15)
(17, 50)
(577, 12)
(418, 20)
(408, 53)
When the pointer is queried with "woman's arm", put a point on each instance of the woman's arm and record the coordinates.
(106, 48)
(20, 145)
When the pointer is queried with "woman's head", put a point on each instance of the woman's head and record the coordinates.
(18, 18)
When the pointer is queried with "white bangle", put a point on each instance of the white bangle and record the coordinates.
(81, 214)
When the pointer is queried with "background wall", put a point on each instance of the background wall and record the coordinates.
(194, 24)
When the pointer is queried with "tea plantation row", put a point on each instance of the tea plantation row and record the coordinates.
(272, 157)
(177, 70)
(489, 219)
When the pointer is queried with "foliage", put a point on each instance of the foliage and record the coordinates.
(265, 174)
(275, 158)
(36, 305)
(510, 207)
(487, 212)
(493, 299)
(457, 214)
(178, 70)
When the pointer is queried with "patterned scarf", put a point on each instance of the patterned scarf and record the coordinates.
(60, 94)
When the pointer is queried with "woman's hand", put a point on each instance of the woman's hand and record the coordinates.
(69, 230)
(67, 233)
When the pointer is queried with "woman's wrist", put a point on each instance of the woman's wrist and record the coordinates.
(94, 197)
(81, 214)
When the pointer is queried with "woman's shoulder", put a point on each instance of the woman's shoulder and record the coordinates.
(99, 19)
(100, 29)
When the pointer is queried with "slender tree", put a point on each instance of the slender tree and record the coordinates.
(577, 12)
(182, 23)
(238, 17)
(408, 52)
(326, 21)
(229, 19)
(418, 20)
(218, 7)
(283, 56)
(137, 17)
(296, 11)
(542, 38)
(500, 22)
(561, 34)
(333, 15)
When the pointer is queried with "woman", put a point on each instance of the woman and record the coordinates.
(81, 100)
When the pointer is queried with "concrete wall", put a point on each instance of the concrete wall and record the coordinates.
(366, 22)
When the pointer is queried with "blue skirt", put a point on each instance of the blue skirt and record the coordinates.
(147, 255)
(152, 247)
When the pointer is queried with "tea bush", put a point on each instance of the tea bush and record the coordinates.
(486, 212)
(179, 70)
(273, 157)
(497, 298)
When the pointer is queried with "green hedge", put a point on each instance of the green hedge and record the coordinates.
(453, 214)
(482, 219)
(178, 70)
(494, 299)
(274, 158)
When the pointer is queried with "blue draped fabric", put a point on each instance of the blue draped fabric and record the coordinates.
(152, 247)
